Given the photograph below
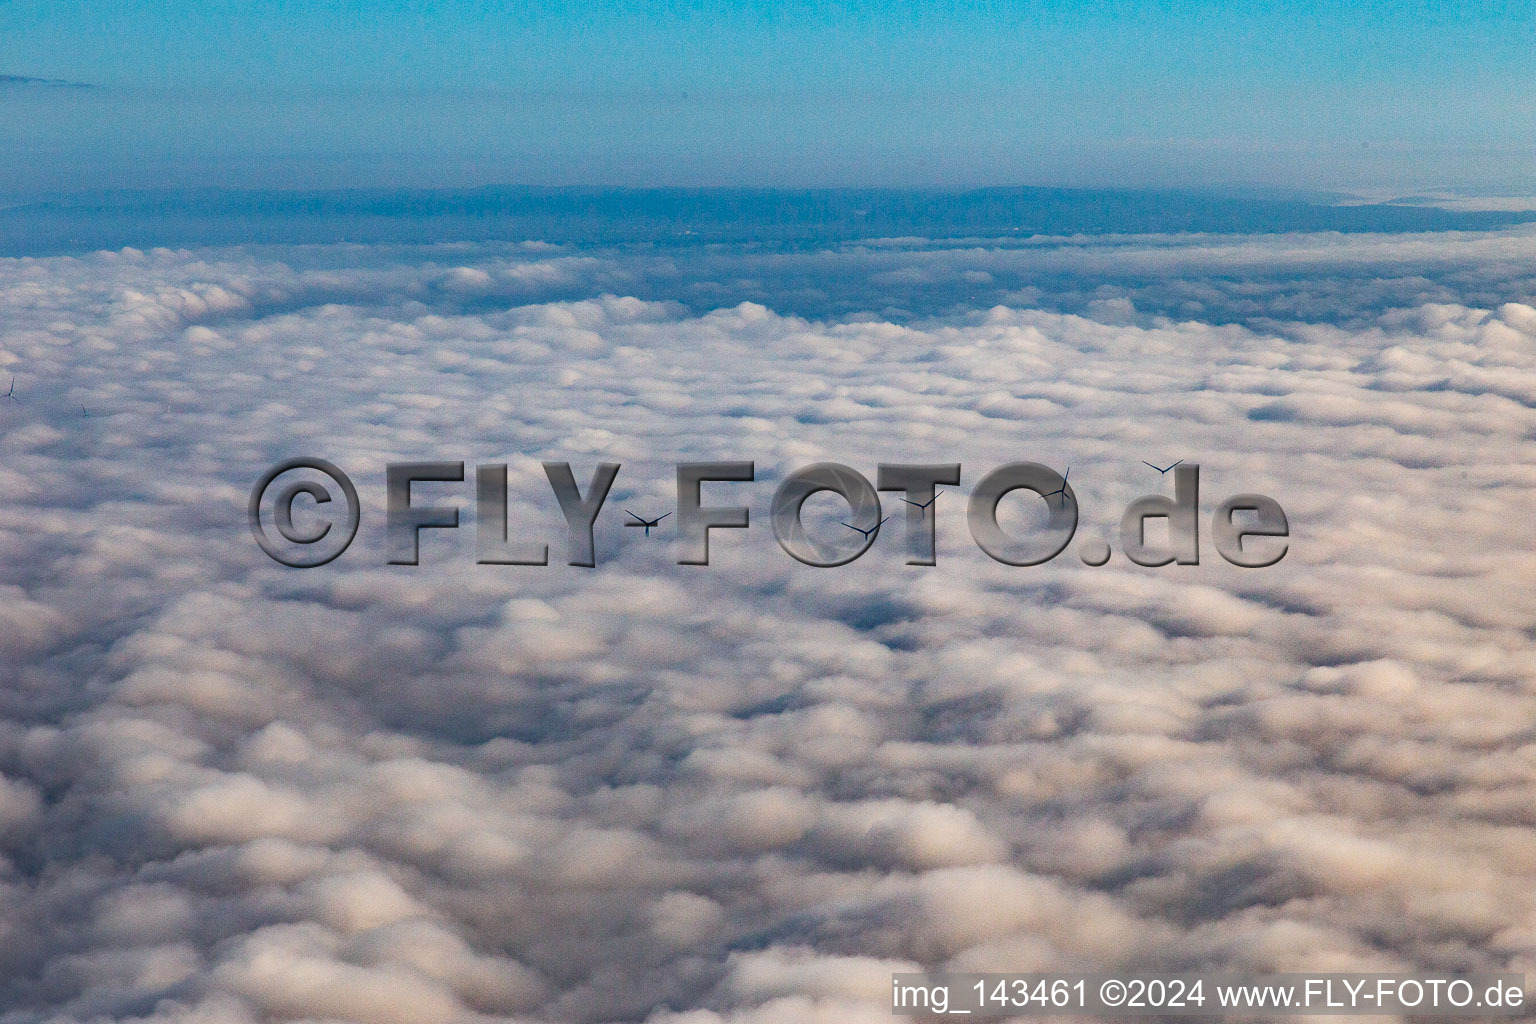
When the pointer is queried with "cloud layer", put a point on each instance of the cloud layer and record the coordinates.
(232, 792)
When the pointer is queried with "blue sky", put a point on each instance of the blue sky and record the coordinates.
(1364, 95)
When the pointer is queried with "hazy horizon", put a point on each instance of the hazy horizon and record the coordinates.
(80, 222)
(1367, 96)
